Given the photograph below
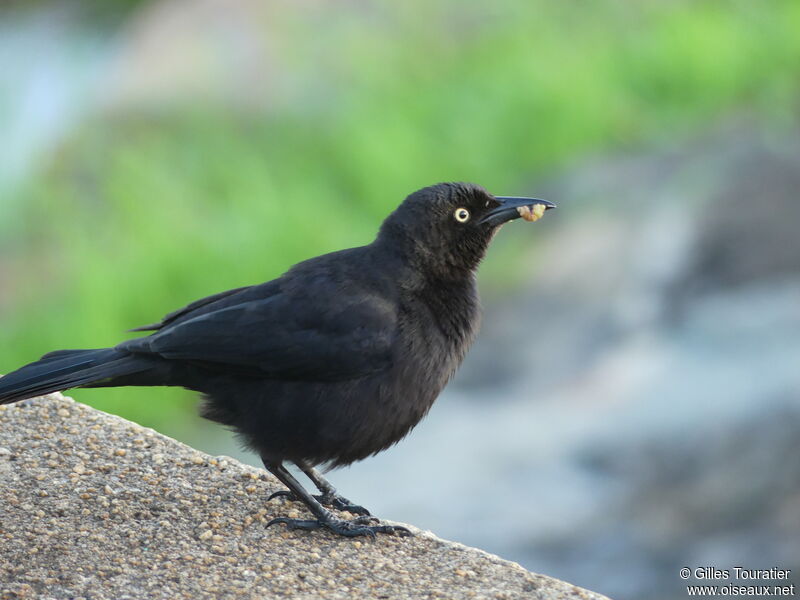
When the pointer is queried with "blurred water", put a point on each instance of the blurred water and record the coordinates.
(48, 65)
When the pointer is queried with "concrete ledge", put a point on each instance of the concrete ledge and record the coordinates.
(96, 507)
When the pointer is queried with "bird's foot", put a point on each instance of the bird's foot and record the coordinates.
(330, 500)
(353, 528)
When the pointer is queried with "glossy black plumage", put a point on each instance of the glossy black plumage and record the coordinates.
(333, 361)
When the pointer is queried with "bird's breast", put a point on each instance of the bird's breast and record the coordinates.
(431, 344)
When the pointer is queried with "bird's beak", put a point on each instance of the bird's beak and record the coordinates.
(513, 207)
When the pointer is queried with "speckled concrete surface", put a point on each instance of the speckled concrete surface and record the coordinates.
(97, 507)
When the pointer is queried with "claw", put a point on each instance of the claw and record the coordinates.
(296, 523)
(331, 501)
(356, 527)
(282, 494)
(366, 519)
(340, 503)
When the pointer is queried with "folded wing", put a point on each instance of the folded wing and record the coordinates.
(283, 337)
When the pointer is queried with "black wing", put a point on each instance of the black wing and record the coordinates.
(329, 337)
(189, 308)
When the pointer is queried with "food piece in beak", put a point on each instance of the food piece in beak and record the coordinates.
(511, 207)
(532, 213)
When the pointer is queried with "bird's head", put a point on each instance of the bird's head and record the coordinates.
(448, 227)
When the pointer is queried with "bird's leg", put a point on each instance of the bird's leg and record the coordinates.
(324, 518)
(328, 497)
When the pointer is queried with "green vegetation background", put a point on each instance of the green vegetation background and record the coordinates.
(137, 214)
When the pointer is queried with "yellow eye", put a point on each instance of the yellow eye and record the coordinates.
(461, 215)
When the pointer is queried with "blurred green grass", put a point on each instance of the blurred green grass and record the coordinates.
(137, 214)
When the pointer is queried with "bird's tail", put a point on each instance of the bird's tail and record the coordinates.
(64, 369)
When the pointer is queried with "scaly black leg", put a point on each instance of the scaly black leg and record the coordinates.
(328, 497)
(324, 518)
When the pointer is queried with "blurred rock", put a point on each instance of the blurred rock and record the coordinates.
(206, 51)
(749, 229)
(639, 240)
(241, 55)
(672, 299)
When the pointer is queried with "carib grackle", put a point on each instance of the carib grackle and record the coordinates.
(332, 362)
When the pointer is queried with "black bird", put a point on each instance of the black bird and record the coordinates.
(334, 361)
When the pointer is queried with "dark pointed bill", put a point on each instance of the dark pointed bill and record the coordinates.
(513, 207)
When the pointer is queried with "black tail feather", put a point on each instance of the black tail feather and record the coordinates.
(64, 369)
(65, 353)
